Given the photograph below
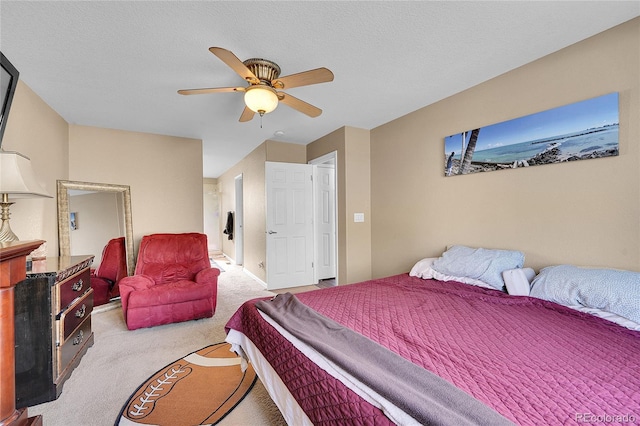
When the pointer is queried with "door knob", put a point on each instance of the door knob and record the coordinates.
(272, 232)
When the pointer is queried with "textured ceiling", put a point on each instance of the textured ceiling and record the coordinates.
(118, 64)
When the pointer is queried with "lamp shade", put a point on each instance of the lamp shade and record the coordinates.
(17, 178)
(261, 99)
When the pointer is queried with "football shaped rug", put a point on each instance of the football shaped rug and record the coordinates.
(199, 389)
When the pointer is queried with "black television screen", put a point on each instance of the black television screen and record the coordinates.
(8, 82)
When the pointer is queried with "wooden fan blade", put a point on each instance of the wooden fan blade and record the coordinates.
(301, 106)
(211, 90)
(236, 64)
(247, 115)
(319, 75)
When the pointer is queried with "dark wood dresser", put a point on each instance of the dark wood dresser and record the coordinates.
(52, 326)
(13, 268)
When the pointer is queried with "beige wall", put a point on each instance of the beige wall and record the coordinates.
(37, 131)
(358, 200)
(286, 152)
(164, 173)
(584, 212)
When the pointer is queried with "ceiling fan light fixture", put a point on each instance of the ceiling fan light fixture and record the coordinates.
(264, 80)
(261, 99)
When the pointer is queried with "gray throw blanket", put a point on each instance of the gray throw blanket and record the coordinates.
(423, 395)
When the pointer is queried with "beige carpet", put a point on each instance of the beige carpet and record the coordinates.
(120, 360)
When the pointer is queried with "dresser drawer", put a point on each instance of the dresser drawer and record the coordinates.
(76, 341)
(54, 309)
(71, 288)
(74, 315)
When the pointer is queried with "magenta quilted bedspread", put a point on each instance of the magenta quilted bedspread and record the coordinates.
(534, 362)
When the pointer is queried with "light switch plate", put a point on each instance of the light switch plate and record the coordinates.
(358, 217)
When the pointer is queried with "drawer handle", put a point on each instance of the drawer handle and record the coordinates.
(78, 339)
(77, 286)
(80, 312)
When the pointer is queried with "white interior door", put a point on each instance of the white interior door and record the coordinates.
(325, 221)
(289, 227)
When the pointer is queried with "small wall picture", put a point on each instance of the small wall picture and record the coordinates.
(579, 131)
(74, 220)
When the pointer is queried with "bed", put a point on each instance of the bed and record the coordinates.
(412, 350)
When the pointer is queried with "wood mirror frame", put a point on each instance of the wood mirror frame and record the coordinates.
(64, 226)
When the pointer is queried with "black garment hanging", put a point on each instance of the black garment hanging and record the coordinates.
(228, 228)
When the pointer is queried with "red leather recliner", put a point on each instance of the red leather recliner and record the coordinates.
(173, 281)
(112, 268)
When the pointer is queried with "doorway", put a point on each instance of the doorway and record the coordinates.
(301, 224)
(325, 219)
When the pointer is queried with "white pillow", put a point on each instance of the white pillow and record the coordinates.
(465, 280)
(606, 289)
(518, 281)
(422, 269)
(478, 263)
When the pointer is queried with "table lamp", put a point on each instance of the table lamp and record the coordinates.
(17, 180)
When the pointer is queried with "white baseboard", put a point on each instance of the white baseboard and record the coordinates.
(229, 259)
(246, 271)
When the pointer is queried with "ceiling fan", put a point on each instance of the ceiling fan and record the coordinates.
(263, 93)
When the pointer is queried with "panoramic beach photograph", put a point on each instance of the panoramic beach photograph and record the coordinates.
(579, 131)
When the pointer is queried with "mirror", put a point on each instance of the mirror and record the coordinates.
(69, 218)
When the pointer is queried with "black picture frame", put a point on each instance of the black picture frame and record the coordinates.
(8, 83)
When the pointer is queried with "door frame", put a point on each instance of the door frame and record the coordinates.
(329, 158)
